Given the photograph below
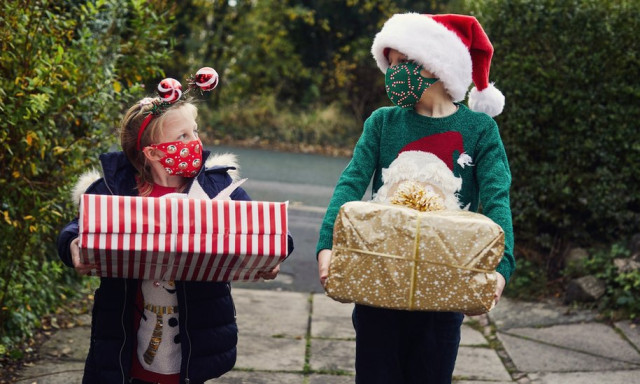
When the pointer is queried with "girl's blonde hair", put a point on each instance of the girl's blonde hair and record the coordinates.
(130, 128)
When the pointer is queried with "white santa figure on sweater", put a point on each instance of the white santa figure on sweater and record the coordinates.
(422, 181)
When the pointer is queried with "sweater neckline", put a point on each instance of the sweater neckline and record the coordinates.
(461, 108)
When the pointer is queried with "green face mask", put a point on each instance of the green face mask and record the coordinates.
(405, 85)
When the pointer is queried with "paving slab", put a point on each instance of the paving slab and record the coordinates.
(334, 356)
(331, 319)
(631, 332)
(471, 337)
(270, 353)
(68, 344)
(616, 377)
(257, 377)
(517, 314)
(50, 372)
(269, 313)
(331, 379)
(550, 343)
(480, 364)
(591, 338)
(535, 356)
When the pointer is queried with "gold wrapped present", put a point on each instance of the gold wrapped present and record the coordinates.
(395, 257)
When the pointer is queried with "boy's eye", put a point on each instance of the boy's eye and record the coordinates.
(400, 61)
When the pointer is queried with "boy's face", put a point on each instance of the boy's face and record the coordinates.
(396, 57)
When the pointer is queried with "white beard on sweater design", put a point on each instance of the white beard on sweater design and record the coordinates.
(425, 169)
(159, 334)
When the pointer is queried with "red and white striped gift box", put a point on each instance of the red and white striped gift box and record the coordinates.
(181, 239)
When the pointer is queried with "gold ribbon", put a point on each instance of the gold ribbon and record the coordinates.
(404, 258)
(415, 262)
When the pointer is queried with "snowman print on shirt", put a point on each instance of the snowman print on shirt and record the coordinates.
(158, 334)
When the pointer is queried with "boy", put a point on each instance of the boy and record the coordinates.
(429, 62)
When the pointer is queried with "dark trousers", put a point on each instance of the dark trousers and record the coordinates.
(405, 347)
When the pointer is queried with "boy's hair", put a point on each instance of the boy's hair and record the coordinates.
(130, 129)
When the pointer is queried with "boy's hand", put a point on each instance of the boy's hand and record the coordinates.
(500, 284)
(270, 275)
(324, 258)
(83, 269)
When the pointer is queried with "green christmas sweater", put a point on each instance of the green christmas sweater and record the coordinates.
(471, 139)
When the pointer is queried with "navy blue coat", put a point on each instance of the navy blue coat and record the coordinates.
(206, 311)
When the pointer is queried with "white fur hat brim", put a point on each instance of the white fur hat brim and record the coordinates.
(430, 44)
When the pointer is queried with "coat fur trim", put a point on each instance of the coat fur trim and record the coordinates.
(83, 183)
(225, 159)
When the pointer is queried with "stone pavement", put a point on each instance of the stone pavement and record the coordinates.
(305, 338)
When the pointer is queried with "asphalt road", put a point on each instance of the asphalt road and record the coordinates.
(299, 273)
(307, 182)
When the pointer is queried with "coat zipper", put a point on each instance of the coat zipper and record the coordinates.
(186, 331)
(124, 330)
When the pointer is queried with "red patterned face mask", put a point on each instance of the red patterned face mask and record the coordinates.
(181, 159)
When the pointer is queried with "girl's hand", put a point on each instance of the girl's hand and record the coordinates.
(324, 259)
(271, 274)
(83, 269)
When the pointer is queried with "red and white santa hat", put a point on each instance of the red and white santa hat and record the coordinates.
(454, 48)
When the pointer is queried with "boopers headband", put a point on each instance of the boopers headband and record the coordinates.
(170, 91)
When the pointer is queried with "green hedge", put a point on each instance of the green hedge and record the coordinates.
(570, 71)
(68, 69)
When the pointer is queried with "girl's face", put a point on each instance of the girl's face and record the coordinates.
(176, 151)
(178, 125)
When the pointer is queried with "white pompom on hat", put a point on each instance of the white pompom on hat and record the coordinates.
(454, 48)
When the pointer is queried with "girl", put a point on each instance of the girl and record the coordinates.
(429, 61)
(150, 331)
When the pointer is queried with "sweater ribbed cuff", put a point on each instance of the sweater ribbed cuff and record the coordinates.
(505, 270)
(323, 244)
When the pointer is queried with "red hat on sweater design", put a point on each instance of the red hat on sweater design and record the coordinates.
(443, 145)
